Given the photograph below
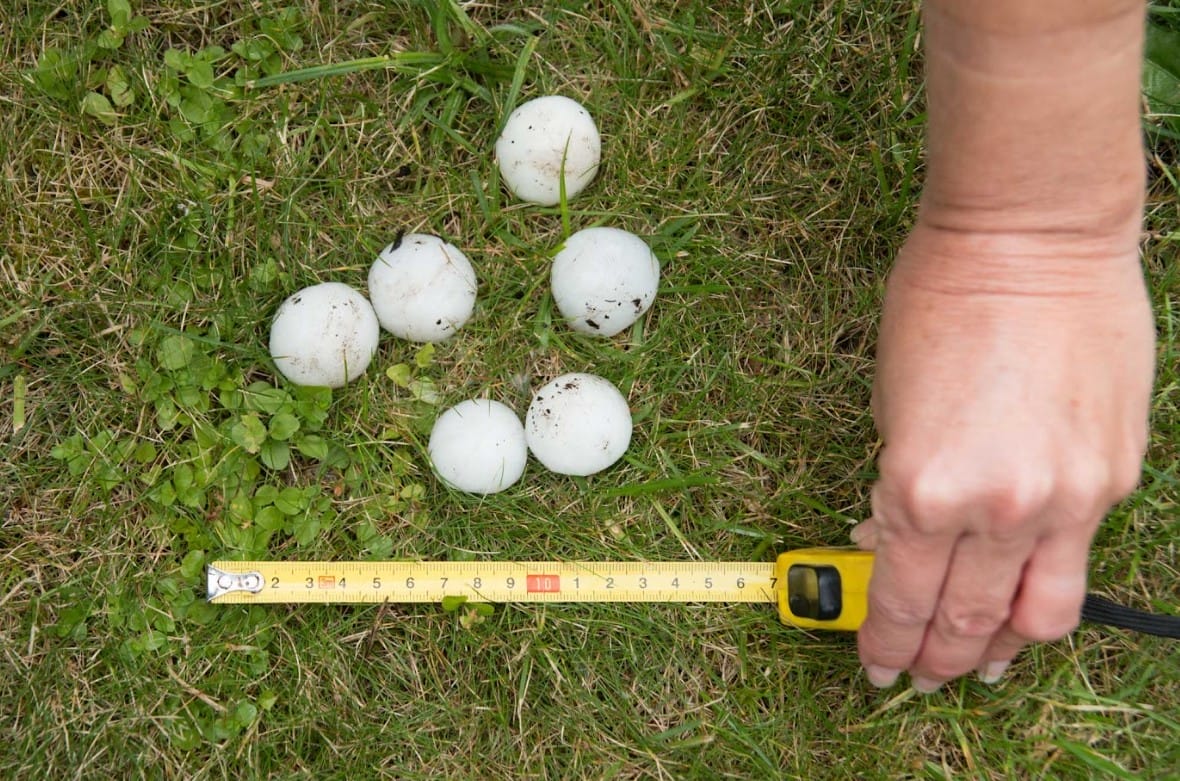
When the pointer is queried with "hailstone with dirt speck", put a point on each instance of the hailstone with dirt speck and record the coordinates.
(422, 288)
(324, 335)
(478, 446)
(544, 139)
(604, 279)
(578, 424)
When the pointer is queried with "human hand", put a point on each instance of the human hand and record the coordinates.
(1012, 390)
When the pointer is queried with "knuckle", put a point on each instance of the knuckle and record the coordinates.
(1093, 483)
(929, 499)
(1086, 481)
(1125, 477)
(896, 611)
(1001, 503)
(1010, 506)
(971, 621)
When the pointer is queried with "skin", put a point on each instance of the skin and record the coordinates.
(1016, 349)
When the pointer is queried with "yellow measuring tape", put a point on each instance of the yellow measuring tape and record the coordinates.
(816, 588)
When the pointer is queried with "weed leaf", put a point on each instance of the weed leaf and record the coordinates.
(98, 106)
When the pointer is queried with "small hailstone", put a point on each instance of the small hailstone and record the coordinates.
(543, 140)
(423, 289)
(324, 335)
(604, 279)
(578, 424)
(478, 446)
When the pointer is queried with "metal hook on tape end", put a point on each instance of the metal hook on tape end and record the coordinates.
(220, 582)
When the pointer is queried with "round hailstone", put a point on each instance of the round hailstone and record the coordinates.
(604, 279)
(541, 139)
(325, 335)
(478, 446)
(423, 289)
(578, 424)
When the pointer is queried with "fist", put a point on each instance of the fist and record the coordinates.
(1012, 390)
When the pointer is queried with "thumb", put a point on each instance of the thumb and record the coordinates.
(865, 534)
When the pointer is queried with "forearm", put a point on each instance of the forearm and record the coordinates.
(1034, 118)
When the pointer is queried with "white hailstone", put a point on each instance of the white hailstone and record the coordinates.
(604, 279)
(422, 288)
(543, 140)
(324, 335)
(478, 446)
(578, 424)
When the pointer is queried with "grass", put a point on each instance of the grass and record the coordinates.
(772, 157)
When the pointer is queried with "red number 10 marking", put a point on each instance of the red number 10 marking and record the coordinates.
(543, 584)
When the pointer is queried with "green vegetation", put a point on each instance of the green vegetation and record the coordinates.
(172, 172)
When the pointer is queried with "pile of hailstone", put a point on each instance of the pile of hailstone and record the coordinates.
(423, 289)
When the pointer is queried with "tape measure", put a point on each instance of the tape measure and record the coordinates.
(814, 588)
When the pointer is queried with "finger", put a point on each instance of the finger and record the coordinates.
(864, 535)
(908, 572)
(975, 604)
(903, 592)
(1005, 645)
(1048, 604)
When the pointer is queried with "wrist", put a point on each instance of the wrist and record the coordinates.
(1034, 123)
(1053, 264)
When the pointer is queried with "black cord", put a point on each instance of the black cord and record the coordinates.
(1100, 610)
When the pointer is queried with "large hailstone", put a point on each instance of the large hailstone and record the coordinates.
(325, 335)
(578, 424)
(541, 139)
(422, 288)
(604, 279)
(478, 446)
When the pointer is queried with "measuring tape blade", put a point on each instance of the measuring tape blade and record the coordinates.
(814, 588)
(248, 582)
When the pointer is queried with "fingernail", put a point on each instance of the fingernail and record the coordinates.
(992, 672)
(857, 533)
(925, 685)
(881, 677)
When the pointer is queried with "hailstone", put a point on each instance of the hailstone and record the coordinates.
(578, 424)
(604, 279)
(478, 446)
(324, 335)
(543, 140)
(422, 288)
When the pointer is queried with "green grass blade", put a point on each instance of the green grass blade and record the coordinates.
(410, 63)
(518, 76)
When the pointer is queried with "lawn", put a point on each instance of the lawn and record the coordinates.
(172, 172)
